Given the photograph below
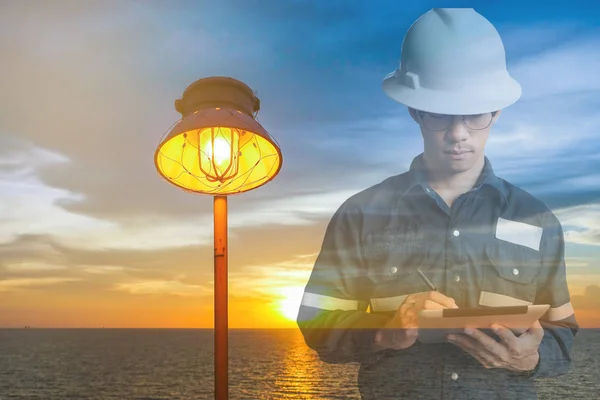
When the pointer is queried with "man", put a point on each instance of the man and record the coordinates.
(479, 239)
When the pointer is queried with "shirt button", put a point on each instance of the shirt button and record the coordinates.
(393, 270)
(454, 376)
(515, 271)
(456, 278)
(456, 233)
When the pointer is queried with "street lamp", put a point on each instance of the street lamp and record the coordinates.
(218, 148)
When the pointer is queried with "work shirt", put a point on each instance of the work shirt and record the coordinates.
(497, 245)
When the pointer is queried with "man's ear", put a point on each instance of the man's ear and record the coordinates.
(413, 114)
(497, 114)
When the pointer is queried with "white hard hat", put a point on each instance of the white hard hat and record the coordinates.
(452, 62)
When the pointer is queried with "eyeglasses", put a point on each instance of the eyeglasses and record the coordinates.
(441, 122)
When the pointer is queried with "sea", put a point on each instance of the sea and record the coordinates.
(148, 364)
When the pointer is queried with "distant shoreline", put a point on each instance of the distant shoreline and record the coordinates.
(172, 329)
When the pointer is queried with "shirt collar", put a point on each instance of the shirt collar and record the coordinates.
(418, 177)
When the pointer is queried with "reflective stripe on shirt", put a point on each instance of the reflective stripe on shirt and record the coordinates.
(559, 313)
(327, 302)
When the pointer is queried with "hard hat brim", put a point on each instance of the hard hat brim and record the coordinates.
(488, 96)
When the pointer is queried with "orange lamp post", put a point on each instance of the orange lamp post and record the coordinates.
(218, 148)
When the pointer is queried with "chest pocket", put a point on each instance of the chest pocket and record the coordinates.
(392, 260)
(511, 271)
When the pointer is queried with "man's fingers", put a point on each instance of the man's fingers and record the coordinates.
(507, 337)
(439, 298)
(407, 314)
(419, 299)
(536, 330)
(409, 301)
(408, 304)
(432, 305)
(530, 340)
(474, 348)
(486, 341)
(412, 333)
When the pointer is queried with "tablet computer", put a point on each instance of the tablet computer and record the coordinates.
(435, 325)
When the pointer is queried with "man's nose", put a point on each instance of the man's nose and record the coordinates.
(457, 132)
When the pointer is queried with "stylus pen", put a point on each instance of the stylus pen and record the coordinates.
(427, 281)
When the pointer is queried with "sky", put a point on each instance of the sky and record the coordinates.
(91, 236)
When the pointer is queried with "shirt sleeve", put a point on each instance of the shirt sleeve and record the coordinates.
(559, 323)
(333, 313)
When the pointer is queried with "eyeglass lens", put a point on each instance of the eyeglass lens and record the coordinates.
(443, 121)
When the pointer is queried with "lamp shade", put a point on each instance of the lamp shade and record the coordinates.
(218, 147)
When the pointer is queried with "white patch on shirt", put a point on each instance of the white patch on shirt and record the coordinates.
(519, 233)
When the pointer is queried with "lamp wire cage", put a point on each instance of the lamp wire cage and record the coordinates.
(191, 158)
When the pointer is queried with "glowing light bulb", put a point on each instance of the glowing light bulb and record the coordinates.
(222, 154)
(219, 154)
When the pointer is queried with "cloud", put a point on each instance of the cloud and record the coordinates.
(523, 40)
(172, 287)
(301, 209)
(282, 283)
(102, 269)
(581, 224)
(180, 270)
(24, 283)
(46, 250)
(571, 64)
(32, 266)
(31, 207)
(547, 142)
(590, 300)
(578, 262)
(588, 236)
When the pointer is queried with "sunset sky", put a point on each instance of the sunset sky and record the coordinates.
(90, 236)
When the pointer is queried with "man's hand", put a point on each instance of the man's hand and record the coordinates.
(514, 353)
(401, 331)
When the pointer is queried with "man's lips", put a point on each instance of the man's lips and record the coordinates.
(457, 152)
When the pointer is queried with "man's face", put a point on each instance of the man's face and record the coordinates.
(456, 148)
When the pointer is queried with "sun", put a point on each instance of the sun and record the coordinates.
(289, 305)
